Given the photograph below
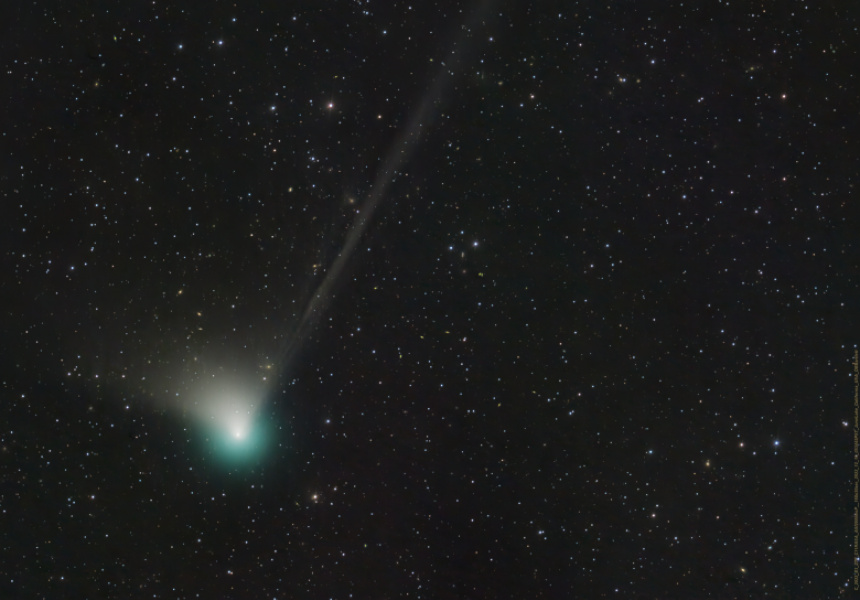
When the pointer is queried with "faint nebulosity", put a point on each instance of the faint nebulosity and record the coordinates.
(433, 300)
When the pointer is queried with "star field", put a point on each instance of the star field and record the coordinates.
(446, 300)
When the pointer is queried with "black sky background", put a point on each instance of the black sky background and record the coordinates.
(597, 341)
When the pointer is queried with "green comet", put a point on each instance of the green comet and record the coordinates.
(233, 430)
(238, 444)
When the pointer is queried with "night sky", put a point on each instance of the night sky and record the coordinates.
(441, 300)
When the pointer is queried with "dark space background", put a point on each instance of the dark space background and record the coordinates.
(596, 342)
